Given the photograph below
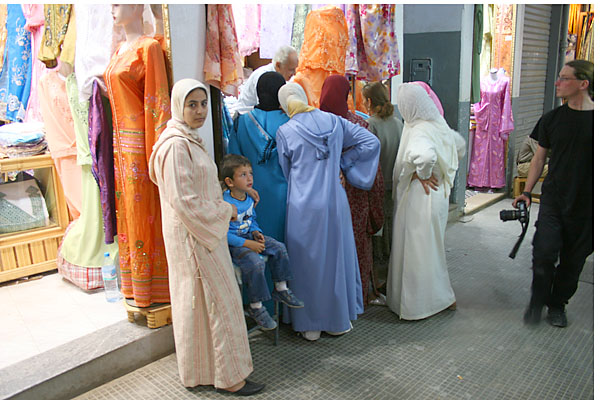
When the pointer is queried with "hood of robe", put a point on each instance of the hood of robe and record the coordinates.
(317, 134)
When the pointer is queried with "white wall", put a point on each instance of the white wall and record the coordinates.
(188, 39)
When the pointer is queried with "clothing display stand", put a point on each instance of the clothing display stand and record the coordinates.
(34, 251)
(157, 315)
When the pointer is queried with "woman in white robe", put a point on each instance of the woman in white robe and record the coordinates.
(418, 281)
(211, 340)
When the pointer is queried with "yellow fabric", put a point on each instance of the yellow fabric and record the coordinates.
(59, 35)
(297, 107)
(3, 31)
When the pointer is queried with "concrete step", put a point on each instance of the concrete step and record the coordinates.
(83, 364)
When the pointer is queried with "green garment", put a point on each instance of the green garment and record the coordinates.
(84, 243)
(477, 42)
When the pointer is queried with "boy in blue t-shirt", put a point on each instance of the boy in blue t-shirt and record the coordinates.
(246, 242)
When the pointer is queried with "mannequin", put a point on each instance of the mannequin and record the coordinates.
(494, 74)
(139, 116)
(494, 124)
(60, 133)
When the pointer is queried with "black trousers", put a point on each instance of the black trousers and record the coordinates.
(558, 237)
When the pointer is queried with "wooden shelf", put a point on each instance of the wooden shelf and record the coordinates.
(34, 251)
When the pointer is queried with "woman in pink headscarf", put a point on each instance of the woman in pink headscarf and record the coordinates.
(432, 95)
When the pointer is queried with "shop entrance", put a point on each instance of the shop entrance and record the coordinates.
(491, 117)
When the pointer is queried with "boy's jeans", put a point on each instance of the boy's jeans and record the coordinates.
(253, 267)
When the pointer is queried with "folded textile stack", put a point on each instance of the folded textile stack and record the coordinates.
(22, 139)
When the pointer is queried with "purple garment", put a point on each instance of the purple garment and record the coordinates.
(494, 123)
(101, 146)
(276, 22)
(325, 268)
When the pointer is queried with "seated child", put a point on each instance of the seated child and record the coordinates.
(246, 242)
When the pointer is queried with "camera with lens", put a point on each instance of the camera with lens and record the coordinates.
(520, 214)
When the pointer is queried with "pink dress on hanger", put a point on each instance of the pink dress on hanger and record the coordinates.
(494, 118)
(34, 15)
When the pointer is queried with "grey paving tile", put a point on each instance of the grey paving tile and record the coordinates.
(480, 351)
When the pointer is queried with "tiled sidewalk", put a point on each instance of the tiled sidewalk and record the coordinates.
(480, 351)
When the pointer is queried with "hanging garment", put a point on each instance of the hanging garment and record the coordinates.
(503, 38)
(325, 268)
(300, 14)
(476, 57)
(366, 207)
(494, 124)
(101, 149)
(323, 50)
(418, 283)
(139, 116)
(60, 134)
(83, 246)
(15, 79)
(97, 40)
(59, 35)
(34, 15)
(276, 22)
(372, 54)
(3, 31)
(210, 334)
(222, 61)
(247, 27)
(485, 59)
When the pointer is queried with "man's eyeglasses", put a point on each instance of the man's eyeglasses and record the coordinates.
(564, 79)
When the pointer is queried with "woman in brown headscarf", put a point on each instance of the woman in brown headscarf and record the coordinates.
(366, 207)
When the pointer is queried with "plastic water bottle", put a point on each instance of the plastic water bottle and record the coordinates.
(109, 276)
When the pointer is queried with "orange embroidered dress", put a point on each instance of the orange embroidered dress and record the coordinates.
(139, 97)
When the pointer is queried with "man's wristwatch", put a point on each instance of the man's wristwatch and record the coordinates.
(528, 194)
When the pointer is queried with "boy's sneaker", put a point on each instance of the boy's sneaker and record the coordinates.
(288, 298)
(262, 318)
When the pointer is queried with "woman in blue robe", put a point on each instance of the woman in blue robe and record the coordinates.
(313, 146)
(254, 137)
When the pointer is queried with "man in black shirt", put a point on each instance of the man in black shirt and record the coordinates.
(565, 225)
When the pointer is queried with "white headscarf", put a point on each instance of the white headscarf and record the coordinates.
(179, 93)
(293, 100)
(422, 117)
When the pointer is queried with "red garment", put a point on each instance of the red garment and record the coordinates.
(366, 207)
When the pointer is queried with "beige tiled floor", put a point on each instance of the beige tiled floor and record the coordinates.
(41, 314)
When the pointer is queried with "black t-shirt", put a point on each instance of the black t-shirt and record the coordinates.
(569, 134)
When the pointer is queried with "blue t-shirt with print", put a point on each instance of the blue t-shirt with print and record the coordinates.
(245, 222)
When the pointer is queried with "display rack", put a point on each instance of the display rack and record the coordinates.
(34, 251)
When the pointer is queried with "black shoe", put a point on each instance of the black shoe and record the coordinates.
(533, 315)
(557, 316)
(248, 389)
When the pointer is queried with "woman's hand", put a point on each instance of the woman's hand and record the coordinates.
(342, 179)
(254, 194)
(233, 212)
(430, 183)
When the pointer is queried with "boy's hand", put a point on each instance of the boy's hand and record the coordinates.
(255, 246)
(259, 237)
(254, 194)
